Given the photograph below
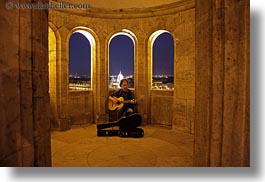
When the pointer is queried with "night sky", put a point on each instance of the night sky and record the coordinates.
(121, 55)
(79, 55)
(163, 55)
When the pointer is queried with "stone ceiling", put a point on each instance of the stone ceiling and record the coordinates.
(122, 4)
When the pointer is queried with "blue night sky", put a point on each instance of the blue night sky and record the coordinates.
(163, 55)
(121, 55)
(79, 55)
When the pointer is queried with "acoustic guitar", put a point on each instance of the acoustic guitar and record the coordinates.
(119, 104)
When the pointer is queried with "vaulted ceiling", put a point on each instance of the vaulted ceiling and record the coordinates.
(122, 4)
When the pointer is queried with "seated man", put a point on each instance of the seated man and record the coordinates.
(127, 95)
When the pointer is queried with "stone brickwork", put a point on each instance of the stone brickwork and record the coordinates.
(178, 20)
(211, 68)
(24, 100)
(222, 124)
(80, 107)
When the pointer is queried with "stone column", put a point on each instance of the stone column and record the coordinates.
(24, 101)
(101, 94)
(62, 69)
(54, 56)
(142, 85)
(222, 83)
(184, 72)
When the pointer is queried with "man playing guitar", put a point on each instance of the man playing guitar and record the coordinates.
(128, 99)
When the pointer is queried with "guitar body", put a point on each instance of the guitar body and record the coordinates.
(118, 105)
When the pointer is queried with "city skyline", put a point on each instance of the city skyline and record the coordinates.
(121, 57)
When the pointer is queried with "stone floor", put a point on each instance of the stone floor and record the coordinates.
(160, 147)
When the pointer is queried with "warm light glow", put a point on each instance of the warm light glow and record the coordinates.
(89, 37)
(52, 61)
(156, 34)
(125, 32)
(129, 32)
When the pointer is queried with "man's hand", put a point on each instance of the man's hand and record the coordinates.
(133, 101)
(115, 101)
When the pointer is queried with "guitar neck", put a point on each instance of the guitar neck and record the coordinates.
(127, 101)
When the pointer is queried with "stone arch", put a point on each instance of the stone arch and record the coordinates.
(93, 40)
(151, 41)
(158, 114)
(133, 37)
(217, 142)
(86, 100)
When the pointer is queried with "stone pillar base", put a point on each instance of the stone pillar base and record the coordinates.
(61, 124)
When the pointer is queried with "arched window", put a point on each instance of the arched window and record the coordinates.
(121, 60)
(80, 61)
(163, 61)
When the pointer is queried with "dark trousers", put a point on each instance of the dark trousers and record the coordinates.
(124, 112)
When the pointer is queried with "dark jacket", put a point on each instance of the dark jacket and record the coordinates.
(126, 95)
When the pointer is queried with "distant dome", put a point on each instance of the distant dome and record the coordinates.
(119, 78)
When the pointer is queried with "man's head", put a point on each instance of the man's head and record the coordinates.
(124, 84)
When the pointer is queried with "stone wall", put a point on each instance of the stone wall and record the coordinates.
(178, 20)
(125, 4)
(24, 101)
(222, 125)
(80, 107)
